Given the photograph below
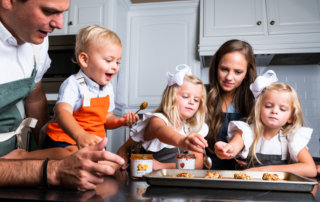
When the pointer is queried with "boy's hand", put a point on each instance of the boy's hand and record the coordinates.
(85, 140)
(129, 119)
(194, 142)
(223, 150)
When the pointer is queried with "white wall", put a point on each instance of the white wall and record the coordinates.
(306, 81)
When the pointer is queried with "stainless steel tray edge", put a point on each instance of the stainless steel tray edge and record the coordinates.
(296, 183)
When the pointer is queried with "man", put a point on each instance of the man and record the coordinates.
(22, 65)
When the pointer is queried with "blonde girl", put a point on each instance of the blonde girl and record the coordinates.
(177, 125)
(274, 138)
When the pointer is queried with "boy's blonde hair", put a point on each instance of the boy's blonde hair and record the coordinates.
(169, 106)
(255, 120)
(93, 35)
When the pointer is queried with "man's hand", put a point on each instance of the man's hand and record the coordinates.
(82, 170)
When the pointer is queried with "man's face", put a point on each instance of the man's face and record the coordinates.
(32, 20)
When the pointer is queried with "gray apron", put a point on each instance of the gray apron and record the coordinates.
(165, 155)
(12, 100)
(267, 159)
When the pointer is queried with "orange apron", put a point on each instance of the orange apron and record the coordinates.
(91, 117)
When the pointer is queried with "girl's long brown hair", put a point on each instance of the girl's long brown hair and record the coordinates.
(243, 99)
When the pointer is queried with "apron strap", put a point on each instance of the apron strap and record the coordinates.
(284, 146)
(84, 89)
(23, 129)
(20, 107)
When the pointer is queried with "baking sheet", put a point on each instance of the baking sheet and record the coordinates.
(288, 182)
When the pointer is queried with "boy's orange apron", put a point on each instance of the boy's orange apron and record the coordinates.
(91, 117)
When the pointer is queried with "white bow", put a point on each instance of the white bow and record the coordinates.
(263, 81)
(178, 77)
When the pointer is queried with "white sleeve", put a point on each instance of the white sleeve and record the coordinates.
(69, 92)
(204, 130)
(297, 141)
(247, 135)
(137, 133)
(43, 60)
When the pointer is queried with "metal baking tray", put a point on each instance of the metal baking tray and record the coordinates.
(288, 182)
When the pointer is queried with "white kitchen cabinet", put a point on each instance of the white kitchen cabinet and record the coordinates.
(293, 16)
(270, 26)
(232, 17)
(82, 13)
(162, 35)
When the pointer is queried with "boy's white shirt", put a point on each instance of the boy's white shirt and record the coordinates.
(71, 92)
(296, 141)
(155, 145)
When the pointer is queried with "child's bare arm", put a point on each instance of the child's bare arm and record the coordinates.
(123, 152)
(159, 165)
(229, 150)
(64, 116)
(158, 129)
(199, 160)
(305, 165)
(115, 122)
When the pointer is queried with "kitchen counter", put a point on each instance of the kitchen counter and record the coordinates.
(121, 188)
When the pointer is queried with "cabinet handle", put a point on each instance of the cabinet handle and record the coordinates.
(272, 22)
(259, 23)
(70, 23)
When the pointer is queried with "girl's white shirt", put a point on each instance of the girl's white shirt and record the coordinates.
(155, 145)
(296, 140)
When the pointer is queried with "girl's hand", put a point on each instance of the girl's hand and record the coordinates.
(194, 142)
(85, 140)
(123, 152)
(223, 150)
(129, 119)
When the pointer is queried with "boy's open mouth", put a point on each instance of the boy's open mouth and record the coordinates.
(108, 76)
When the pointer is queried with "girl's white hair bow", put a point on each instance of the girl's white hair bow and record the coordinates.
(178, 77)
(263, 81)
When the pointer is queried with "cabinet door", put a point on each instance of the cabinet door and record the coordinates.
(293, 16)
(84, 12)
(160, 40)
(233, 17)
